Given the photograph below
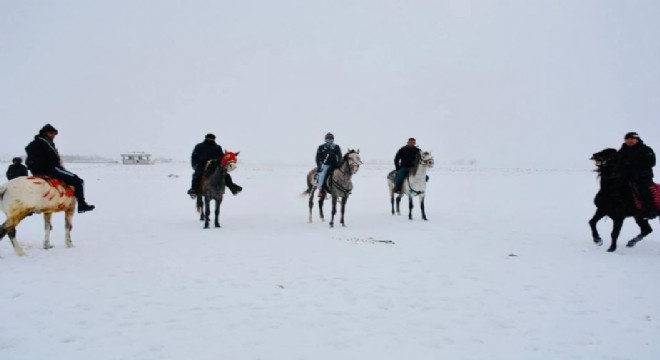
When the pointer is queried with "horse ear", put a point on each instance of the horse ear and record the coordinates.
(358, 151)
(238, 152)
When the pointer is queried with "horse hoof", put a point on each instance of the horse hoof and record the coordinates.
(206, 226)
(598, 241)
(217, 225)
(611, 250)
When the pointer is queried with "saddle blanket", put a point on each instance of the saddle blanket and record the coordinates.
(655, 190)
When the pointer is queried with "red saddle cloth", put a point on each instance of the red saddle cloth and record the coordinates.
(655, 190)
(66, 190)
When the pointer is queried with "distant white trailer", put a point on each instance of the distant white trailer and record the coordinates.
(136, 158)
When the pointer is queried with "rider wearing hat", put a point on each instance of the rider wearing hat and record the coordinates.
(637, 162)
(43, 159)
(16, 169)
(202, 153)
(328, 157)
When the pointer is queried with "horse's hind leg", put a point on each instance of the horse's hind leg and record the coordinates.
(207, 212)
(594, 231)
(334, 211)
(48, 226)
(410, 207)
(200, 208)
(10, 230)
(311, 204)
(68, 226)
(645, 230)
(398, 205)
(616, 230)
(321, 201)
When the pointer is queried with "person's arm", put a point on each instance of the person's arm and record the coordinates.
(194, 158)
(397, 159)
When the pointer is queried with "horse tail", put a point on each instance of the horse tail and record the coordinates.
(3, 189)
(310, 183)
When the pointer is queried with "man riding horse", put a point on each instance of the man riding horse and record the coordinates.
(328, 157)
(404, 160)
(202, 153)
(637, 162)
(43, 159)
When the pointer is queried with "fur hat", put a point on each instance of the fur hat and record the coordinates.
(329, 136)
(209, 136)
(47, 128)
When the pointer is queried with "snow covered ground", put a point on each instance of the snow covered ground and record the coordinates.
(504, 269)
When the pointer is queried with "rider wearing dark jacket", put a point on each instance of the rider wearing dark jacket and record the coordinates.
(404, 160)
(328, 157)
(16, 169)
(43, 159)
(637, 161)
(202, 153)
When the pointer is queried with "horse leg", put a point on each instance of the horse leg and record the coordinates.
(594, 231)
(645, 229)
(421, 205)
(311, 204)
(218, 201)
(344, 200)
(321, 201)
(48, 226)
(200, 208)
(410, 207)
(398, 205)
(334, 211)
(9, 228)
(207, 211)
(616, 230)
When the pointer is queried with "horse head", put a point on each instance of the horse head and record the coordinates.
(426, 159)
(229, 160)
(605, 159)
(352, 158)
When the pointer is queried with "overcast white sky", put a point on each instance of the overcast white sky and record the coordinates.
(507, 83)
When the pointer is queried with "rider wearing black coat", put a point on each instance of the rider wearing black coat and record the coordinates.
(405, 159)
(43, 159)
(16, 169)
(202, 153)
(637, 161)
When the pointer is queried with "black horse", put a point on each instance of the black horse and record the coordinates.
(615, 199)
(213, 187)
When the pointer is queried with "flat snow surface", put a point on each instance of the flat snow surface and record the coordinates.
(504, 269)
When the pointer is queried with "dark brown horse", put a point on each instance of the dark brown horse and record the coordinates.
(214, 185)
(615, 200)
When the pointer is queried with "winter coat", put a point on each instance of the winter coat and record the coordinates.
(637, 161)
(16, 170)
(407, 157)
(328, 154)
(42, 155)
(204, 152)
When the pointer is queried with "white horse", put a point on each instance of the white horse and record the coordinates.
(413, 185)
(338, 182)
(27, 195)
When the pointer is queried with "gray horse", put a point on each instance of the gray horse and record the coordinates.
(339, 185)
(213, 186)
(413, 185)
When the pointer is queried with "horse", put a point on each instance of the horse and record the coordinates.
(413, 185)
(213, 186)
(615, 199)
(27, 195)
(339, 185)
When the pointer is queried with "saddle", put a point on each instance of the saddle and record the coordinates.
(63, 188)
(655, 190)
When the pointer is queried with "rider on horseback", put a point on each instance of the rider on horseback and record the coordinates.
(328, 156)
(16, 169)
(43, 159)
(404, 160)
(202, 153)
(637, 161)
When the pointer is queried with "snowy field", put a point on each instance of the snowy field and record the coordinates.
(504, 269)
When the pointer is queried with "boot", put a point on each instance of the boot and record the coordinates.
(235, 189)
(83, 206)
(650, 213)
(192, 193)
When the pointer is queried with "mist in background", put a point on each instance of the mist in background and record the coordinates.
(503, 83)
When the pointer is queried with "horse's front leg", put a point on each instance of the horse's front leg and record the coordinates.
(594, 231)
(48, 226)
(207, 211)
(344, 200)
(410, 207)
(217, 211)
(68, 226)
(392, 200)
(421, 205)
(200, 208)
(645, 229)
(398, 204)
(334, 211)
(616, 230)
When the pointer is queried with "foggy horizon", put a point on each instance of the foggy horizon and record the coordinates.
(503, 83)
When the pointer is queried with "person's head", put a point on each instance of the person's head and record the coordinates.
(17, 161)
(329, 137)
(632, 138)
(411, 142)
(49, 131)
(209, 137)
